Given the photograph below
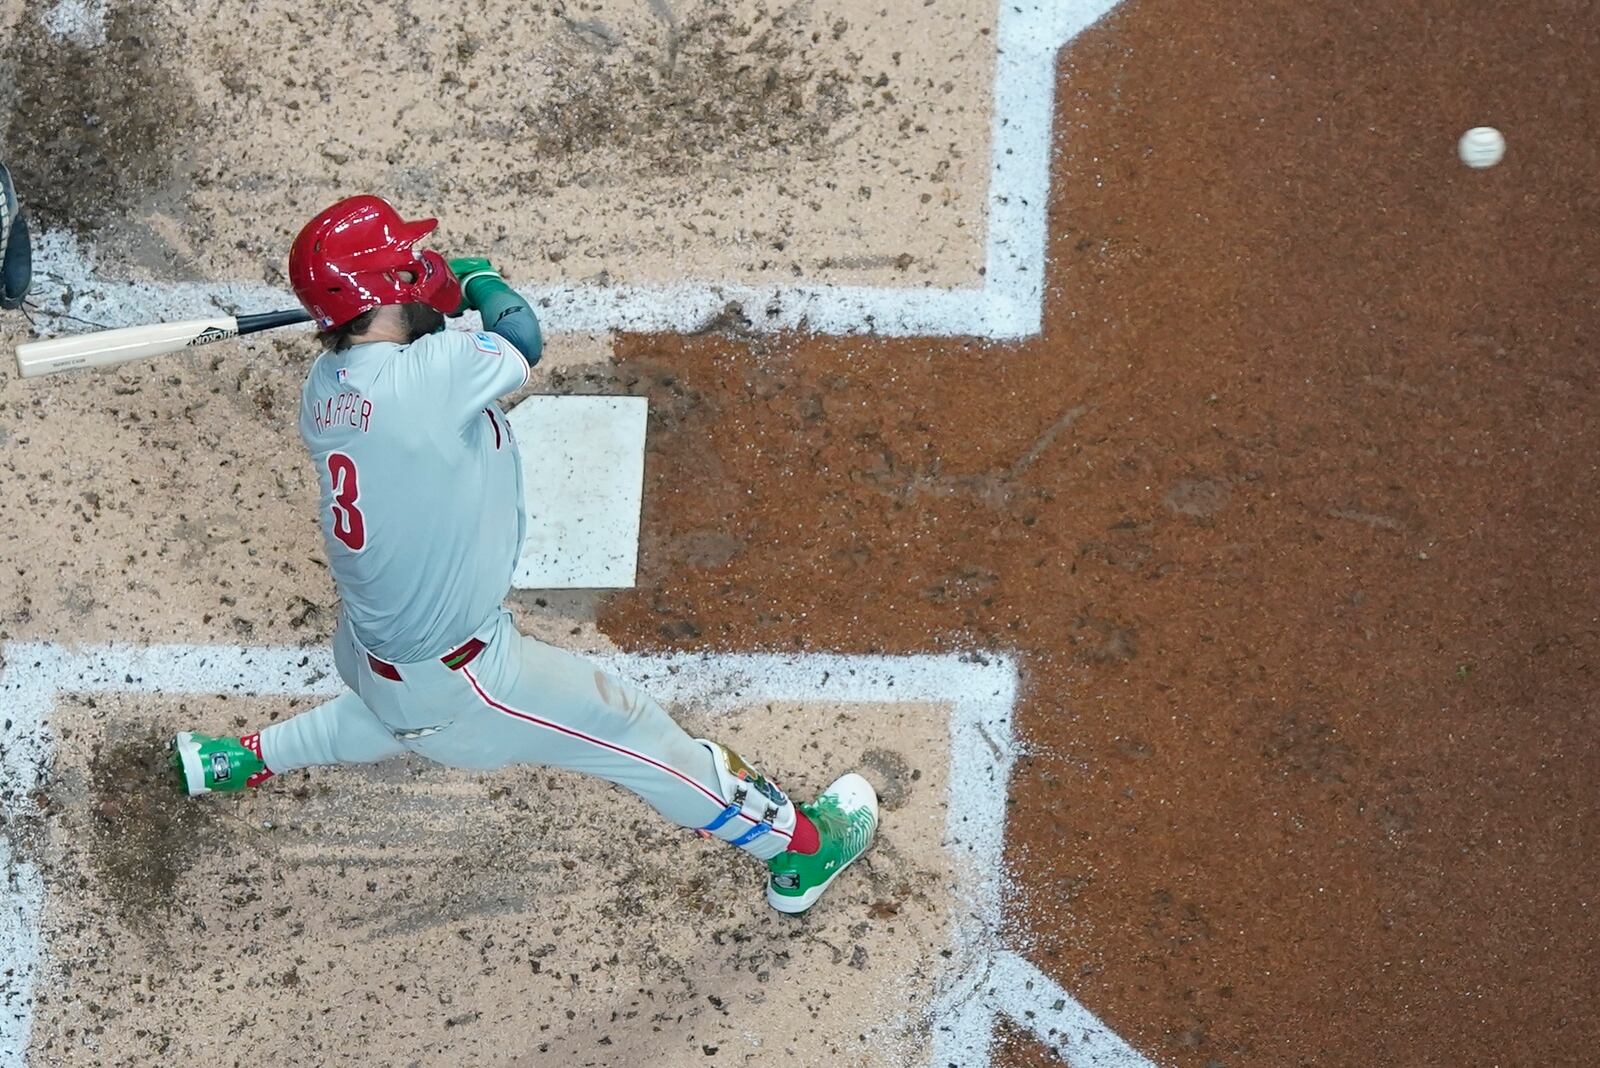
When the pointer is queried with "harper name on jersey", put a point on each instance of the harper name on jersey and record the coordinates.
(346, 409)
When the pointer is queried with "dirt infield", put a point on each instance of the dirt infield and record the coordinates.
(405, 914)
(1290, 510)
(619, 140)
(1287, 517)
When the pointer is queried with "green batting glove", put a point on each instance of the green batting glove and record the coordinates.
(469, 269)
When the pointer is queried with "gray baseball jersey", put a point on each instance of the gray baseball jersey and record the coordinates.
(421, 485)
(422, 511)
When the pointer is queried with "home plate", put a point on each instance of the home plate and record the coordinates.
(582, 477)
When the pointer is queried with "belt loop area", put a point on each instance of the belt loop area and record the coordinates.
(383, 670)
(459, 658)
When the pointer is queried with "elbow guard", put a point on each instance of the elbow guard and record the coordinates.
(508, 315)
(519, 326)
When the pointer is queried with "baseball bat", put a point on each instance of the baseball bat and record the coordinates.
(107, 348)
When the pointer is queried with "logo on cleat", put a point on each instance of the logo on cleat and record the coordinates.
(221, 770)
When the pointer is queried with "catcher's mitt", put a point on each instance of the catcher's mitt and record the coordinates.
(16, 251)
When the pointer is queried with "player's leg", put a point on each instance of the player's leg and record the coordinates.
(340, 731)
(540, 704)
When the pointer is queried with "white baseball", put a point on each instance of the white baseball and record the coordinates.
(1481, 146)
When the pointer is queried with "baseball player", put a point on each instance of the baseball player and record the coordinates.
(422, 512)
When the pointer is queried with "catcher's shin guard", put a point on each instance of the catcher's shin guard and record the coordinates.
(758, 818)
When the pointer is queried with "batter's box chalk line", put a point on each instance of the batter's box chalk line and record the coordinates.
(1009, 304)
(987, 980)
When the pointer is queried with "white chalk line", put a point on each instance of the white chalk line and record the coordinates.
(82, 22)
(1009, 304)
(980, 691)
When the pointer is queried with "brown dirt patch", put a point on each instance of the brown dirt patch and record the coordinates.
(96, 133)
(713, 84)
(1304, 594)
(1015, 1048)
(144, 832)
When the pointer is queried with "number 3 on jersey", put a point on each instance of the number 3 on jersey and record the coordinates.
(348, 524)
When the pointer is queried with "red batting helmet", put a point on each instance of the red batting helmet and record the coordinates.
(353, 257)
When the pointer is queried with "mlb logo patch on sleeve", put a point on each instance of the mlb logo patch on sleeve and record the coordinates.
(485, 343)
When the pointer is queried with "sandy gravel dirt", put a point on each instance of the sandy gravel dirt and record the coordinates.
(407, 914)
(615, 140)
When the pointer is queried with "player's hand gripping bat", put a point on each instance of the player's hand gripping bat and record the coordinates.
(107, 348)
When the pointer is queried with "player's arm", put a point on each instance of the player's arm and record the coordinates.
(505, 313)
(464, 371)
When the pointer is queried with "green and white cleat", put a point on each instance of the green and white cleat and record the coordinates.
(846, 818)
(207, 765)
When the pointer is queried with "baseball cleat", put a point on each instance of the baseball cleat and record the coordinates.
(846, 817)
(207, 765)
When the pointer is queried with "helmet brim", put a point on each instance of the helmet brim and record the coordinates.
(412, 232)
